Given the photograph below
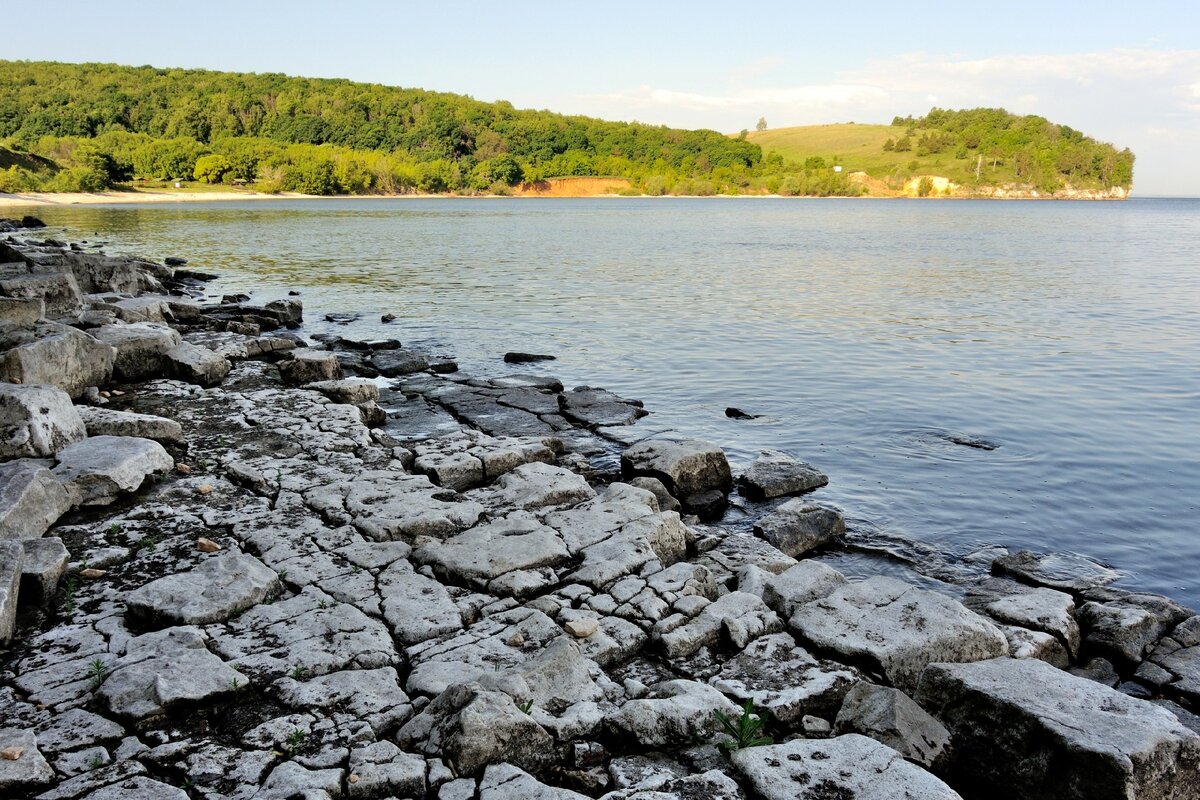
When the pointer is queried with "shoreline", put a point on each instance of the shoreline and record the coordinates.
(251, 558)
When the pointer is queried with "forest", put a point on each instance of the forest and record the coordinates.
(90, 127)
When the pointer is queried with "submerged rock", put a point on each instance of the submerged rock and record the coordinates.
(1065, 571)
(774, 474)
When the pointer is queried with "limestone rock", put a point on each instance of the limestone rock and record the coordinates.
(797, 527)
(141, 348)
(58, 291)
(99, 468)
(491, 549)
(891, 717)
(685, 466)
(849, 766)
(506, 782)
(110, 422)
(351, 390)
(195, 364)
(415, 607)
(36, 421)
(309, 366)
(45, 562)
(373, 695)
(533, 486)
(774, 474)
(674, 711)
(28, 769)
(1038, 609)
(597, 408)
(22, 310)
(784, 593)
(1064, 571)
(897, 629)
(31, 499)
(1063, 737)
(393, 363)
(12, 559)
(54, 355)
(215, 590)
(384, 769)
(739, 616)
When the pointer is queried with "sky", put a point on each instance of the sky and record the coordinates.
(1127, 73)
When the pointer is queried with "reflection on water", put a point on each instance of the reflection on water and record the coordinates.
(869, 334)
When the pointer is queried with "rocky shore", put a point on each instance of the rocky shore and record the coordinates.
(237, 561)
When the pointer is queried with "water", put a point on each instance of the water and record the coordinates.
(867, 333)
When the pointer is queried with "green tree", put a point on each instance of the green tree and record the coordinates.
(211, 168)
(761, 125)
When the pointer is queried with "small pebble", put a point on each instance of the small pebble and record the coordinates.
(516, 640)
(204, 488)
(207, 545)
(11, 753)
(92, 572)
(352, 779)
(582, 628)
(183, 469)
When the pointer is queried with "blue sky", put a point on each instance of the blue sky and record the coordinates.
(1124, 72)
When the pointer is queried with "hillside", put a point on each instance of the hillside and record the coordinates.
(975, 150)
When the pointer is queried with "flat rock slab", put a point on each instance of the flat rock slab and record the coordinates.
(598, 408)
(28, 769)
(31, 499)
(54, 355)
(1044, 733)
(774, 474)
(1065, 571)
(516, 542)
(215, 590)
(673, 711)
(798, 526)
(98, 469)
(351, 390)
(897, 629)
(195, 364)
(506, 782)
(310, 366)
(393, 363)
(111, 422)
(849, 767)
(141, 348)
(685, 466)
(165, 669)
(36, 421)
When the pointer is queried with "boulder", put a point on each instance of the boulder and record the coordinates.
(56, 355)
(21, 311)
(213, 591)
(45, 562)
(141, 348)
(12, 559)
(309, 366)
(891, 717)
(99, 468)
(195, 364)
(59, 291)
(1039, 609)
(806, 581)
(897, 629)
(797, 527)
(383, 769)
(372, 695)
(774, 474)
(31, 499)
(162, 670)
(352, 390)
(685, 466)
(506, 782)
(110, 422)
(1042, 733)
(737, 617)
(393, 363)
(26, 768)
(1123, 626)
(36, 421)
(672, 712)
(849, 767)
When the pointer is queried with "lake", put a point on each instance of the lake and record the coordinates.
(870, 336)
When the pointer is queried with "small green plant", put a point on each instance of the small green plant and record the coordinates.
(298, 672)
(149, 541)
(283, 574)
(526, 707)
(96, 670)
(745, 731)
(68, 603)
(234, 685)
(95, 763)
(322, 604)
(114, 529)
(295, 739)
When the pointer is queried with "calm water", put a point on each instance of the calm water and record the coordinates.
(865, 332)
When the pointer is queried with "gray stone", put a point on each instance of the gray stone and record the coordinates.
(162, 670)
(850, 766)
(897, 629)
(141, 348)
(740, 617)
(685, 466)
(1063, 737)
(784, 593)
(797, 527)
(36, 421)
(58, 291)
(1184, 666)
(656, 487)
(393, 363)
(31, 499)
(1122, 626)
(384, 769)
(774, 474)
(373, 695)
(491, 549)
(291, 780)
(506, 782)
(673, 712)
(12, 560)
(45, 562)
(215, 590)
(54, 355)
(29, 769)
(309, 366)
(1038, 609)
(533, 486)
(891, 717)
(351, 390)
(415, 607)
(98, 469)
(110, 422)
(195, 364)
(22, 310)
(1065, 571)
(597, 408)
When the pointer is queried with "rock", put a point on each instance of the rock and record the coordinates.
(55, 355)
(373, 695)
(36, 421)
(597, 408)
(708, 506)
(12, 559)
(58, 291)
(31, 499)
(291, 780)
(685, 466)
(891, 717)
(1064, 571)
(775, 474)
(784, 593)
(45, 562)
(214, 591)
(784, 680)
(308, 366)
(506, 782)
(653, 485)
(22, 311)
(205, 545)
(141, 348)
(1038, 609)
(22, 766)
(897, 629)
(473, 727)
(393, 363)
(384, 769)
(533, 486)
(162, 670)
(195, 364)
(674, 711)
(489, 550)
(849, 767)
(289, 313)
(525, 358)
(581, 628)
(98, 469)
(415, 607)
(740, 617)
(351, 390)
(1063, 736)
(110, 422)
(1122, 626)
(797, 527)
(1183, 666)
